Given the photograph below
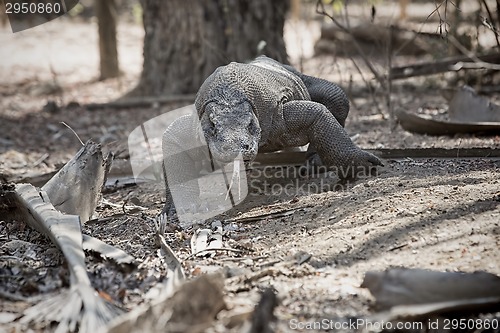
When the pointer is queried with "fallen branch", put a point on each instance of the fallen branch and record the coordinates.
(259, 217)
(298, 158)
(445, 65)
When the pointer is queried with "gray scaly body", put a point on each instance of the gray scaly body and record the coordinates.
(262, 106)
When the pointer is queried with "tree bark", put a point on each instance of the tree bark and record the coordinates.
(186, 40)
(106, 13)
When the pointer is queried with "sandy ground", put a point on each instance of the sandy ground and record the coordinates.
(440, 214)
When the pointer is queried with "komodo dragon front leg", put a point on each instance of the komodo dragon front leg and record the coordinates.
(330, 95)
(308, 121)
(327, 93)
(183, 155)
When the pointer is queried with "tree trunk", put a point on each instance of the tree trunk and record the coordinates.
(186, 40)
(107, 15)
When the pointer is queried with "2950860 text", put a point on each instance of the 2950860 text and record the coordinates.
(32, 8)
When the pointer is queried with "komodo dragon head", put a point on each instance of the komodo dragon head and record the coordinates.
(230, 127)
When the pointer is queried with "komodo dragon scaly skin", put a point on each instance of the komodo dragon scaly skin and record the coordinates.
(261, 106)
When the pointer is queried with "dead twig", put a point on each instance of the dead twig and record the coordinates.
(397, 247)
(241, 259)
(277, 214)
(384, 81)
(492, 20)
(72, 130)
(442, 19)
(320, 9)
(41, 159)
(392, 117)
(368, 84)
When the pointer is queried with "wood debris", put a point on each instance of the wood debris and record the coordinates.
(263, 315)
(75, 189)
(192, 308)
(80, 306)
(106, 250)
(205, 240)
(410, 293)
(467, 113)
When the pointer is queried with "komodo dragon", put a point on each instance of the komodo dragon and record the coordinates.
(262, 106)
